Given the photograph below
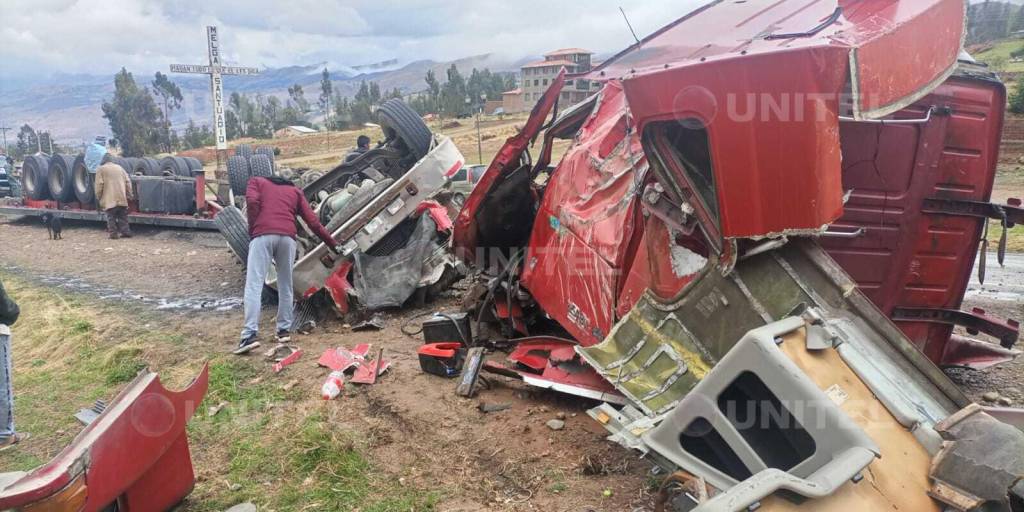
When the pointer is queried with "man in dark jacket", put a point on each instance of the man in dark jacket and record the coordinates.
(362, 146)
(272, 206)
(8, 315)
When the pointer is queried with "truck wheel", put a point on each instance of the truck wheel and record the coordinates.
(260, 166)
(238, 174)
(59, 178)
(401, 122)
(266, 150)
(35, 171)
(243, 150)
(194, 164)
(83, 182)
(147, 167)
(175, 166)
(233, 226)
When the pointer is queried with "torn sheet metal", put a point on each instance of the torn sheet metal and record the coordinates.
(387, 280)
(552, 363)
(582, 233)
(367, 372)
(288, 360)
(660, 351)
(341, 359)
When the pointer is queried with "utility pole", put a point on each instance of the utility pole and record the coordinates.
(7, 150)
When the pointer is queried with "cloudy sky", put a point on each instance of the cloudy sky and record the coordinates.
(39, 37)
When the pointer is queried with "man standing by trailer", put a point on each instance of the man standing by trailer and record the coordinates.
(113, 190)
(272, 204)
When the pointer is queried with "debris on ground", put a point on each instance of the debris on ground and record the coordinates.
(374, 323)
(87, 416)
(555, 424)
(242, 507)
(341, 359)
(368, 371)
(441, 359)
(333, 385)
(470, 372)
(485, 407)
(215, 409)
(291, 358)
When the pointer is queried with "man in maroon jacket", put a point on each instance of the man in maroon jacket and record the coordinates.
(272, 206)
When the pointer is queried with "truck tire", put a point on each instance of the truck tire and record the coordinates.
(400, 121)
(238, 174)
(235, 230)
(131, 163)
(174, 166)
(146, 167)
(194, 164)
(260, 166)
(243, 150)
(34, 172)
(59, 178)
(266, 150)
(83, 182)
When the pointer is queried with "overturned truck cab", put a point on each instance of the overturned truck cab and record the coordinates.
(759, 241)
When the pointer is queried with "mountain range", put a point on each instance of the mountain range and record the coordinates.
(68, 105)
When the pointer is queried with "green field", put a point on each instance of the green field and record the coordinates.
(1000, 51)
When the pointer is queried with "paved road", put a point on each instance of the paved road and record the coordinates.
(1001, 283)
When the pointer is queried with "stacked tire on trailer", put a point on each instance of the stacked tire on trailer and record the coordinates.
(35, 173)
(59, 178)
(246, 163)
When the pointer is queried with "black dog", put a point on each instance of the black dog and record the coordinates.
(53, 226)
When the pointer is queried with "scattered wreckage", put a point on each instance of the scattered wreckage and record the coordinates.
(381, 208)
(133, 455)
(757, 246)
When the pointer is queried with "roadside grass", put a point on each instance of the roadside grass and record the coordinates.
(1002, 50)
(282, 450)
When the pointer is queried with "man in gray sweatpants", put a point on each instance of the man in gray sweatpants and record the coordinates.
(8, 315)
(272, 205)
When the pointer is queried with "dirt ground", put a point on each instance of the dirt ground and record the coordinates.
(423, 434)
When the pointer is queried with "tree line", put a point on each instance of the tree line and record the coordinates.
(139, 115)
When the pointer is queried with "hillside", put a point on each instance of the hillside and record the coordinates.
(69, 105)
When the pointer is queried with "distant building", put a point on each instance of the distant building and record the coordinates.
(535, 78)
(512, 101)
(293, 131)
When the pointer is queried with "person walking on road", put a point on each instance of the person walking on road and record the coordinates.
(8, 315)
(113, 190)
(272, 206)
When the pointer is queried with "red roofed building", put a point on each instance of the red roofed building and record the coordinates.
(535, 78)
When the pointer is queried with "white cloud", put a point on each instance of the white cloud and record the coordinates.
(40, 37)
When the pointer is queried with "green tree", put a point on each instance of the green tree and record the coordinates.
(298, 97)
(326, 88)
(454, 94)
(133, 116)
(27, 142)
(170, 94)
(433, 91)
(1016, 104)
(197, 136)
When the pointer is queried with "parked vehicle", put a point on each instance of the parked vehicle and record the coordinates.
(133, 456)
(463, 181)
(680, 248)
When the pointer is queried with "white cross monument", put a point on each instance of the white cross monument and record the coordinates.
(215, 69)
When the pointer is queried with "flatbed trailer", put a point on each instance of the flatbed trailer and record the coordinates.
(202, 219)
(150, 219)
